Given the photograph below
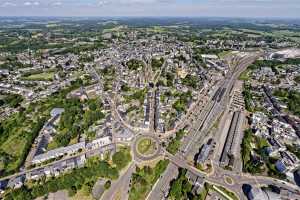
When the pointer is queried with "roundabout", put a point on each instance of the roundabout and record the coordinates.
(228, 180)
(146, 147)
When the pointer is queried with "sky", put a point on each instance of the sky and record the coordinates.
(186, 8)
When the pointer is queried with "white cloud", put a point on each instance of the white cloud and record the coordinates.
(244, 8)
(31, 3)
(144, 1)
(131, 2)
(138, 1)
(58, 3)
(8, 4)
(102, 3)
(27, 3)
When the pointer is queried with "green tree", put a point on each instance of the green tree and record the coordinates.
(107, 184)
(122, 158)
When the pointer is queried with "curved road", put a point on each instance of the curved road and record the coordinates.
(144, 157)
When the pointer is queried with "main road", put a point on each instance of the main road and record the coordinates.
(119, 188)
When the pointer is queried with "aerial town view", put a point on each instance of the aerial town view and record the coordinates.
(166, 103)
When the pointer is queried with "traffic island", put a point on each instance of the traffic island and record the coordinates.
(228, 180)
(146, 148)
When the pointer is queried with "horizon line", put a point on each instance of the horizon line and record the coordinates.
(149, 16)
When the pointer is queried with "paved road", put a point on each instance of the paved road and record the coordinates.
(161, 188)
(120, 187)
(243, 178)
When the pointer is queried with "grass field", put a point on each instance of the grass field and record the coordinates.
(224, 54)
(157, 29)
(21, 128)
(114, 29)
(45, 76)
(81, 194)
(52, 145)
(144, 179)
(145, 146)
(245, 75)
(226, 193)
(204, 192)
(14, 145)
